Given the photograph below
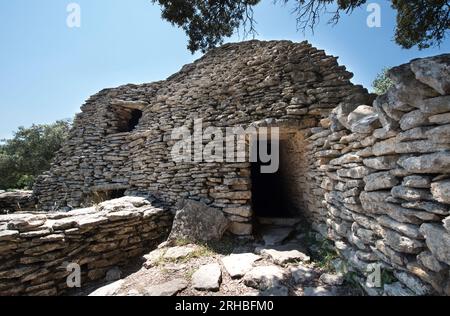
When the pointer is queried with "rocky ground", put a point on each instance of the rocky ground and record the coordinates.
(274, 264)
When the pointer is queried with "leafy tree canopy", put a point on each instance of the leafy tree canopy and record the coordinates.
(382, 83)
(422, 23)
(29, 153)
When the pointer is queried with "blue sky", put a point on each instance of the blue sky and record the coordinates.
(47, 70)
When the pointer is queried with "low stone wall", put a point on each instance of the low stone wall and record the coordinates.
(17, 201)
(35, 248)
(386, 178)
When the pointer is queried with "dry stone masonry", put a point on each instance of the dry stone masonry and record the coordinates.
(370, 173)
(17, 201)
(35, 249)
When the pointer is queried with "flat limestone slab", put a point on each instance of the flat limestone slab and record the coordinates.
(237, 265)
(170, 288)
(179, 252)
(265, 277)
(111, 289)
(281, 257)
(276, 235)
(207, 278)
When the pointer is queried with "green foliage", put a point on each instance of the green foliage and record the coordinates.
(419, 22)
(29, 153)
(382, 83)
(322, 251)
(207, 22)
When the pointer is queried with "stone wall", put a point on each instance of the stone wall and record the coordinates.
(17, 201)
(387, 178)
(35, 248)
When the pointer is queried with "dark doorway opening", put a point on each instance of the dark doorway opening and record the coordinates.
(136, 115)
(270, 196)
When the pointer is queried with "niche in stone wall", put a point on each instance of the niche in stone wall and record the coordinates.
(280, 194)
(125, 118)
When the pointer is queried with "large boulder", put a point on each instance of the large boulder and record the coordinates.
(434, 72)
(363, 120)
(197, 222)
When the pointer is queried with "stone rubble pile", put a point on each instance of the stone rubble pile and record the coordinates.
(35, 249)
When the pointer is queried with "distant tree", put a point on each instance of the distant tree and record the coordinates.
(207, 22)
(382, 83)
(29, 153)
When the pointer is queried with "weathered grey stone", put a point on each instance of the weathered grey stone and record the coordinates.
(408, 230)
(113, 274)
(414, 283)
(265, 277)
(413, 119)
(402, 243)
(420, 146)
(436, 105)
(197, 222)
(420, 182)
(397, 289)
(376, 203)
(237, 265)
(179, 252)
(410, 194)
(355, 173)
(430, 207)
(169, 288)
(281, 256)
(433, 163)
(207, 278)
(438, 241)
(386, 147)
(441, 191)
(381, 163)
(332, 279)
(342, 112)
(109, 290)
(363, 120)
(429, 261)
(408, 90)
(347, 158)
(276, 235)
(440, 119)
(380, 181)
(440, 134)
(388, 117)
(302, 274)
(434, 72)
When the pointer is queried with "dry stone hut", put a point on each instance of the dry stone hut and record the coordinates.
(370, 174)
(121, 142)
